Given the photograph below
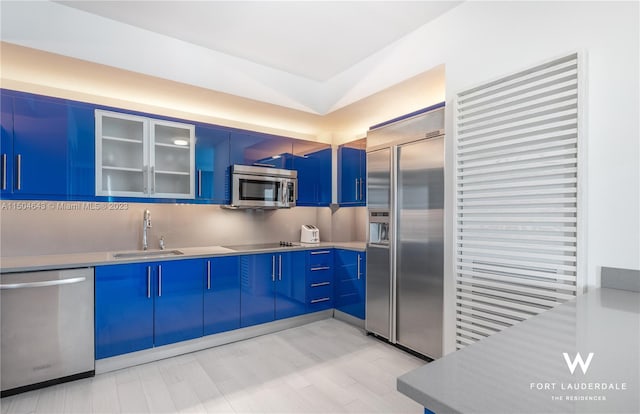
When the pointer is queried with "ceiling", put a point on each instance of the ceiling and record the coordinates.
(316, 40)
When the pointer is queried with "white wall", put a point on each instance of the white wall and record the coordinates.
(481, 41)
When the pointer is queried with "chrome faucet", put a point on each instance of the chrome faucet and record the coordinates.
(146, 224)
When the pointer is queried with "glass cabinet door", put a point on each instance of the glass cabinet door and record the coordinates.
(172, 159)
(120, 154)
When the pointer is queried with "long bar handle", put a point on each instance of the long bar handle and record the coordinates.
(279, 267)
(314, 269)
(148, 281)
(208, 274)
(359, 258)
(320, 284)
(199, 183)
(4, 171)
(273, 268)
(19, 172)
(159, 280)
(321, 252)
(357, 186)
(153, 180)
(361, 189)
(44, 283)
(320, 300)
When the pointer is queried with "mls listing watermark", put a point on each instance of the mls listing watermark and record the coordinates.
(34, 206)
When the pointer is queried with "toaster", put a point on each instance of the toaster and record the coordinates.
(309, 234)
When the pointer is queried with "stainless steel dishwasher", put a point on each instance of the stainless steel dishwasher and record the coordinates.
(46, 327)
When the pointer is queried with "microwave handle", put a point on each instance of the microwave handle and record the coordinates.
(285, 189)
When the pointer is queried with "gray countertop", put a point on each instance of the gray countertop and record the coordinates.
(523, 369)
(66, 261)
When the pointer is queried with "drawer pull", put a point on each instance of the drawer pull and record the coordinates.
(321, 252)
(320, 300)
(313, 269)
(320, 284)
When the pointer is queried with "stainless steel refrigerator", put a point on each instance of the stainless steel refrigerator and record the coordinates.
(404, 292)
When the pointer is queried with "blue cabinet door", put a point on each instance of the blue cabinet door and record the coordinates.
(290, 284)
(6, 144)
(53, 148)
(123, 309)
(212, 162)
(221, 295)
(314, 178)
(257, 288)
(350, 282)
(352, 174)
(178, 301)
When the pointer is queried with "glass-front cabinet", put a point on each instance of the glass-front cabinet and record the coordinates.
(142, 157)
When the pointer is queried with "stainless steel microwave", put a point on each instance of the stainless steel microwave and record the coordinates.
(263, 187)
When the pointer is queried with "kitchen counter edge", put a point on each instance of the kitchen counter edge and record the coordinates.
(90, 259)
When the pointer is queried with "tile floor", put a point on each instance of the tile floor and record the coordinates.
(323, 367)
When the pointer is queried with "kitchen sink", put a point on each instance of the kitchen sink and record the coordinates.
(147, 253)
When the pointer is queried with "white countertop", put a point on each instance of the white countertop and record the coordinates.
(522, 369)
(73, 260)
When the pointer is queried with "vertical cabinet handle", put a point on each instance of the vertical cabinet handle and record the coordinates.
(199, 183)
(159, 280)
(359, 258)
(4, 171)
(361, 189)
(273, 268)
(148, 281)
(208, 274)
(279, 267)
(153, 180)
(147, 178)
(19, 172)
(357, 186)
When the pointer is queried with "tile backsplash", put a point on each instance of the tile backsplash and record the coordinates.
(74, 227)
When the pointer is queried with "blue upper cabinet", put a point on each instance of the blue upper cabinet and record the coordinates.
(51, 150)
(6, 144)
(254, 148)
(352, 173)
(313, 163)
(212, 162)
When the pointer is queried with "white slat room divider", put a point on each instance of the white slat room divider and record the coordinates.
(516, 157)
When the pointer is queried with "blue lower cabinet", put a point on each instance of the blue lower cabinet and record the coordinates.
(290, 284)
(123, 309)
(221, 295)
(319, 280)
(350, 282)
(142, 305)
(257, 289)
(178, 302)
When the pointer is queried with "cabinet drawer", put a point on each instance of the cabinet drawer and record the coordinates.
(319, 258)
(321, 303)
(319, 290)
(319, 274)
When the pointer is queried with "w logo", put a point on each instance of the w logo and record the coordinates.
(584, 365)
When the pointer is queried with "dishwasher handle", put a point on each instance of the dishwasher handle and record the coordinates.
(43, 283)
